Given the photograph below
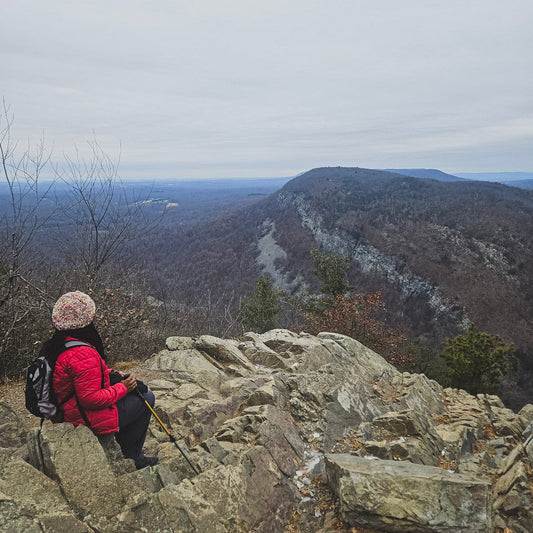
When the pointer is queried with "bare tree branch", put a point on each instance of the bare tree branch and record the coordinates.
(105, 216)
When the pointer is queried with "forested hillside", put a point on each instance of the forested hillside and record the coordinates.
(470, 241)
(181, 257)
(445, 254)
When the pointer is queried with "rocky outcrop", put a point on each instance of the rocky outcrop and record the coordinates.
(372, 261)
(11, 429)
(399, 496)
(285, 431)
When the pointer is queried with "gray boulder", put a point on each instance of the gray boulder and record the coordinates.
(257, 417)
(179, 343)
(405, 435)
(74, 458)
(512, 491)
(261, 355)
(14, 519)
(186, 365)
(402, 497)
(526, 415)
(176, 508)
(11, 429)
(31, 501)
(224, 351)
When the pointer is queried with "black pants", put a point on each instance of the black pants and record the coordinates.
(133, 420)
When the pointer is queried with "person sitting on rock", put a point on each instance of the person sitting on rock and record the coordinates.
(87, 391)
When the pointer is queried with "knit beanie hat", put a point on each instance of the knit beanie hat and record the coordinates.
(73, 310)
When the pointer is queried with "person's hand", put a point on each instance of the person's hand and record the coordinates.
(130, 382)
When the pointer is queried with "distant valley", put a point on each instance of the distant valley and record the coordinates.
(445, 252)
(522, 180)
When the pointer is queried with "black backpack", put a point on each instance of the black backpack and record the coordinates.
(40, 398)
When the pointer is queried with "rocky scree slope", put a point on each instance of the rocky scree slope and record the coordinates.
(291, 432)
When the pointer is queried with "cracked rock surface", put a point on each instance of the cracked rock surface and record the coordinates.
(290, 433)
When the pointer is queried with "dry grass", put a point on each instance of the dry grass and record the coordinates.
(327, 501)
(441, 419)
(488, 428)
(529, 472)
(364, 530)
(446, 465)
(12, 395)
(350, 443)
(294, 522)
(481, 446)
(126, 365)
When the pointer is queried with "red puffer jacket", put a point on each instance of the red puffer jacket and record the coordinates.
(79, 370)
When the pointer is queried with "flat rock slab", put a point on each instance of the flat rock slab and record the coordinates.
(74, 458)
(186, 365)
(406, 497)
(224, 351)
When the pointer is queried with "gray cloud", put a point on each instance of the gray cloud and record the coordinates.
(210, 88)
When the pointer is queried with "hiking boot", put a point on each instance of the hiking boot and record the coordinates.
(144, 461)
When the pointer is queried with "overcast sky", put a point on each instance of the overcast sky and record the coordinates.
(230, 88)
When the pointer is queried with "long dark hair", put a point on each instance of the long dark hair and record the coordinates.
(53, 347)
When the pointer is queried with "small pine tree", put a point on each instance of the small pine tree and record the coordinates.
(477, 361)
(331, 269)
(429, 361)
(259, 311)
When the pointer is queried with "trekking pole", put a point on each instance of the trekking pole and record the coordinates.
(170, 436)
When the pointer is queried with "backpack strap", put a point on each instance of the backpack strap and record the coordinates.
(75, 344)
(83, 413)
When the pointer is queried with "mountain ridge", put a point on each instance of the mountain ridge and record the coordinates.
(399, 215)
(443, 253)
(429, 173)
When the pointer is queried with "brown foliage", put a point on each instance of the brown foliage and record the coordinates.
(356, 317)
